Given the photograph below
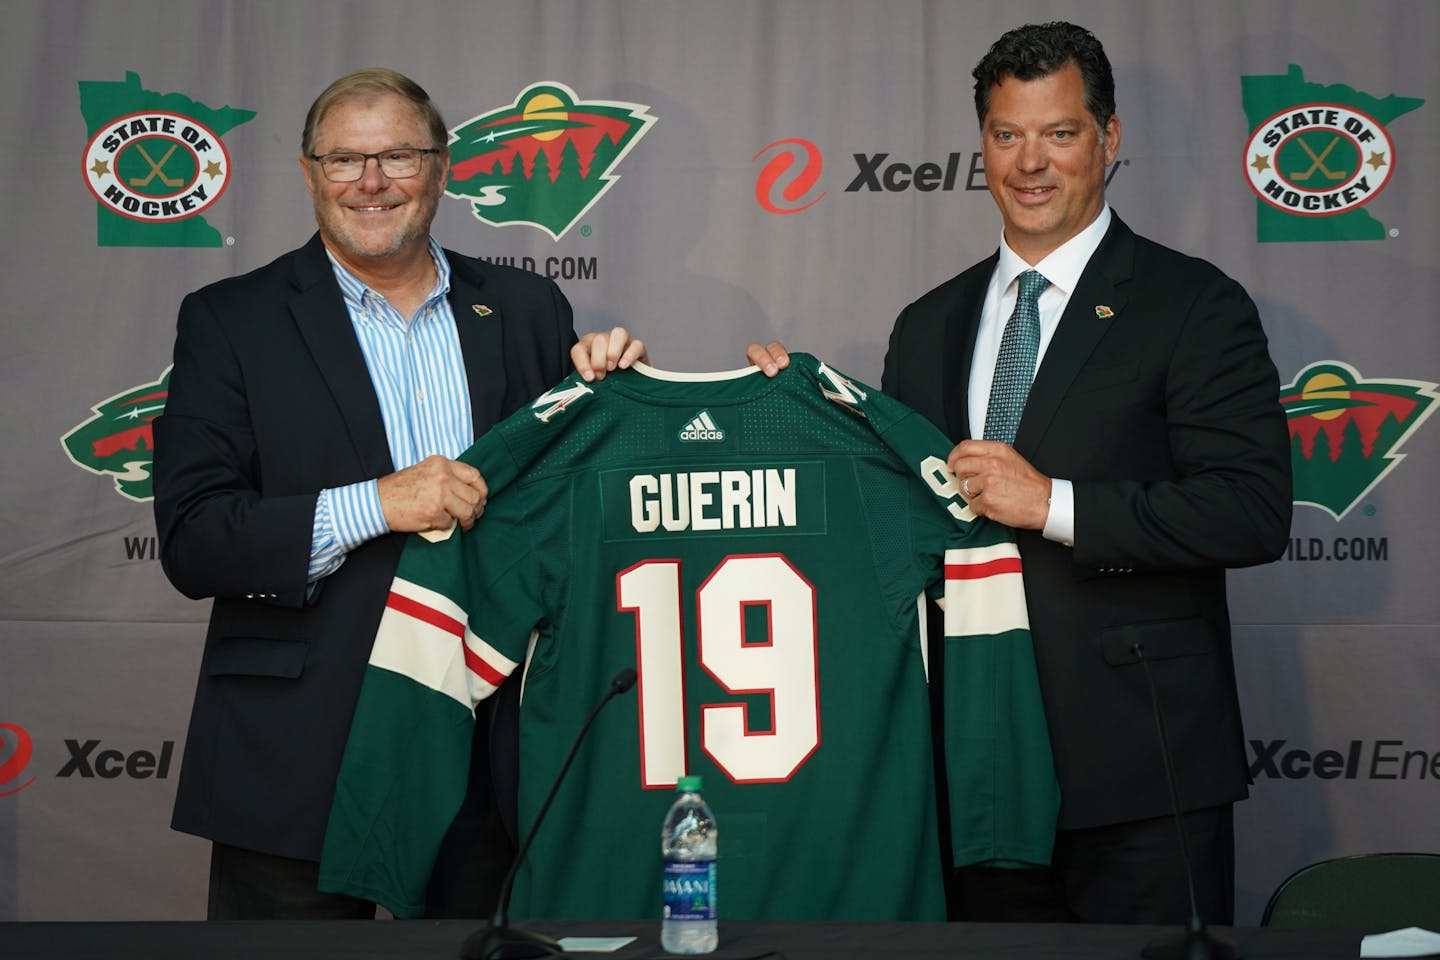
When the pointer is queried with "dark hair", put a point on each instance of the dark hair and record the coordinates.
(1039, 49)
(374, 82)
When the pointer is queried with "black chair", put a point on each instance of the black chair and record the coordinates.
(1372, 892)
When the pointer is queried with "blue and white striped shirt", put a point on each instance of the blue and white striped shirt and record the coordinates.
(419, 377)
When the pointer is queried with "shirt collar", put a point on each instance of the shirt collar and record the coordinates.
(354, 290)
(1063, 265)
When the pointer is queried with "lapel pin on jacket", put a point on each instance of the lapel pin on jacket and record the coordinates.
(1102, 312)
(483, 311)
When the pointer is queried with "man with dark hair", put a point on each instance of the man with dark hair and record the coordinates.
(1033, 52)
(1116, 404)
(1150, 454)
(316, 410)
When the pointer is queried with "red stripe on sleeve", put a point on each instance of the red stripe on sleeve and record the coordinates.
(979, 571)
(479, 667)
(428, 614)
(425, 614)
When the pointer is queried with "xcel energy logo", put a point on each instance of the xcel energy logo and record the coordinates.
(791, 170)
(15, 753)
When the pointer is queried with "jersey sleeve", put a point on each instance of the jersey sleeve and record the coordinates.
(1004, 798)
(1003, 794)
(406, 764)
(457, 622)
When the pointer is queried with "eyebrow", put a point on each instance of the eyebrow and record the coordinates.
(406, 146)
(1051, 125)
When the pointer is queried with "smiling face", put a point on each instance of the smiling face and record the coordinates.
(375, 220)
(1045, 160)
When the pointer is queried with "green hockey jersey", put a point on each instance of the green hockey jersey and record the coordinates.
(756, 549)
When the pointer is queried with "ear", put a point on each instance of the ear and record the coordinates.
(442, 161)
(309, 169)
(1112, 139)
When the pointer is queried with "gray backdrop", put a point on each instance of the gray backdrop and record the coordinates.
(750, 205)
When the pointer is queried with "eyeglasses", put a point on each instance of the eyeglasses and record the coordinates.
(398, 164)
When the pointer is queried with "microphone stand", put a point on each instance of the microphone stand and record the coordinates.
(498, 940)
(1195, 942)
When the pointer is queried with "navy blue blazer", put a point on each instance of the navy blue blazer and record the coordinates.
(1157, 397)
(270, 400)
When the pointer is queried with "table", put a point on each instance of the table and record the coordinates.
(739, 940)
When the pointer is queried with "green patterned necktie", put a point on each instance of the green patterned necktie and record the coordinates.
(1015, 366)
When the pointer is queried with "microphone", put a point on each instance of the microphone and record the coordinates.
(498, 940)
(1195, 942)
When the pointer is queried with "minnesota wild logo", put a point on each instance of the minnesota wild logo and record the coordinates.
(543, 160)
(1345, 431)
(118, 441)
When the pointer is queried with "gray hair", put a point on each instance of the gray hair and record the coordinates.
(373, 82)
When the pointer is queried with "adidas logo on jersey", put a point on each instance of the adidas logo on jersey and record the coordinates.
(701, 428)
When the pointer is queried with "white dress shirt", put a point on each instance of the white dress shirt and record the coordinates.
(1062, 267)
(419, 376)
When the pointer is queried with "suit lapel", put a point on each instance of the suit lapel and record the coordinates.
(324, 323)
(961, 328)
(1080, 329)
(480, 324)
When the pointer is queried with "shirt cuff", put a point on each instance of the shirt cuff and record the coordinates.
(345, 517)
(1060, 524)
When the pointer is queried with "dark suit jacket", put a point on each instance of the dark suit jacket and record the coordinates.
(1166, 417)
(270, 400)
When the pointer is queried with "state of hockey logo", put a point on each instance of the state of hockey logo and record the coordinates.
(118, 441)
(701, 427)
(156, 166)
(1317, 155)
(1346, 431)
(154, 162)
(1319, 159)
(543, 160)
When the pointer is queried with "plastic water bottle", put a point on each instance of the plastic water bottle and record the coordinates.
(687, 842)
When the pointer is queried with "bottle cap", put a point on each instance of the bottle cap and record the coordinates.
(690, 783)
